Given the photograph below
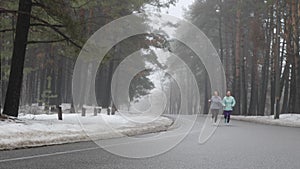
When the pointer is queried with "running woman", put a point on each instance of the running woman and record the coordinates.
(228, 103)
(215, 106)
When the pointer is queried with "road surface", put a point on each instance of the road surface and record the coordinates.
(241, 145)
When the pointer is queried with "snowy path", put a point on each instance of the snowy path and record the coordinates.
(38, 130)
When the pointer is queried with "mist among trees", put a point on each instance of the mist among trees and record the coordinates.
(257, 41)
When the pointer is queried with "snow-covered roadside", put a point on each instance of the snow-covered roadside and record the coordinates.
(289, 120)
(39, 130)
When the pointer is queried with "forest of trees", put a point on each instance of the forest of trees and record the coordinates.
(258, 42)
(40, 41)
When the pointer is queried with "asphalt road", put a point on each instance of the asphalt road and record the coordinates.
(241, 145)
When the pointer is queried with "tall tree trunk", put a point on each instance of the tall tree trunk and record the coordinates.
(237, 58)
(254, 92)
(292, 95)
(272, 79)
(1, 80)
(286, 73)
(254, 72)
(285, 82)
(220, 33)
(265, 68)
(244, 91)
(206, 94)
(276, 61)
(12, 99)
(296, 51)
(110, 75)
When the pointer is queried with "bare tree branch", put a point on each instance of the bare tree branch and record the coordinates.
(84, 4)
(54, 28)
(57, 31)
(40, 24)
(46, 41)
(6, 30)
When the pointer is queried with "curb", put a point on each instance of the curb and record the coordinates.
(266, 121)
(81, 136)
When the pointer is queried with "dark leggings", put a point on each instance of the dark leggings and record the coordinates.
(227, 116)
(215, 113)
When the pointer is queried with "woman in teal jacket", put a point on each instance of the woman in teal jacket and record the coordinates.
(228, 103)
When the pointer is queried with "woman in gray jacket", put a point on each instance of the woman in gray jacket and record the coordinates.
(215, 106)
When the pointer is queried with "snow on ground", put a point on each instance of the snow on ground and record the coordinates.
(290, 120)
(37, 130)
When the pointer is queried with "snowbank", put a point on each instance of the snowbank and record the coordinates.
(38, 130)
(289, 120)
